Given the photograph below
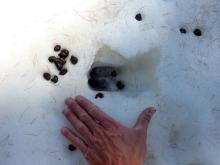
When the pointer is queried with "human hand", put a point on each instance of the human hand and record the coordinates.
(102, 140)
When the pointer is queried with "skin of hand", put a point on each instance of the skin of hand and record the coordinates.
(101, 139)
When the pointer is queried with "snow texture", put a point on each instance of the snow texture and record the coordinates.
(177, 73)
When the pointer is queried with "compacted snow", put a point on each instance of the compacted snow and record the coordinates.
(178, 73)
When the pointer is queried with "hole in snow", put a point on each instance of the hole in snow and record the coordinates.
(113, 72)
(101, 79)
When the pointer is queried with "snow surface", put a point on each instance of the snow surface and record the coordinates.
(177, 73)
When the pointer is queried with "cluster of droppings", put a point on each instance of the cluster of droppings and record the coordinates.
(196, 32)
(59, 62)
(105, 78)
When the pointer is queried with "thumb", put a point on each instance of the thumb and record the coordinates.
(144, 118)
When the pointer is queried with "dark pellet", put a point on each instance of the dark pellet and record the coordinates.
(197, 32)
(120, 85)
(114, 73)
(57, 60)
(47, 76)
(182, 30)
(52, 59)
(57, 48)
(55, 79)
(138, 17)
(63, 71)
(71, 147)
(63, 55)
(65, 51)
(74, 60)
(61, 61)
(59, 66)
(99, 95)
(98, 84)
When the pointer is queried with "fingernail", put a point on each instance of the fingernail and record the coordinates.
(152, 110)
(79, 98)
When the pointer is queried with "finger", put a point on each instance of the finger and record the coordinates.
(144, 119)
(93, 110)
(74, 139)
(81, 114)
(78, 125)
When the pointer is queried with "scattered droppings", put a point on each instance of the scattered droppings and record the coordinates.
(57, 48)
(55, 79)
(63, 55)
(65, 51)
(120, 85)
(74, 60)
(71, 147)
(113, 73)
(99, 95)
(47, 76)
(138, 17)
(183, 30)
(98, 84)
(197, 32)
(63, 71)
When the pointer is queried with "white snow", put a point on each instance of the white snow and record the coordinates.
(177, 73)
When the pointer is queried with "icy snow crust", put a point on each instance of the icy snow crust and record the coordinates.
(177, 73)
